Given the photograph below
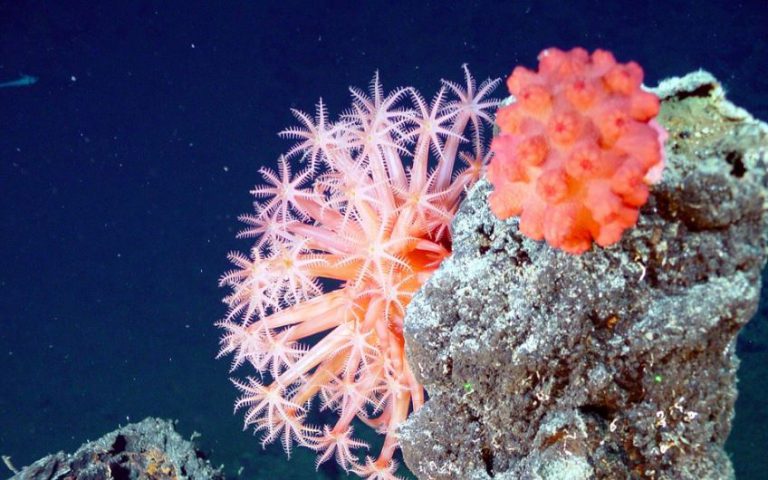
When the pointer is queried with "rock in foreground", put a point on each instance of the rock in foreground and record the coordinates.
(148, 450)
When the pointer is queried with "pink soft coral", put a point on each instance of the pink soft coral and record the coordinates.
(576, 150)
(358, 218)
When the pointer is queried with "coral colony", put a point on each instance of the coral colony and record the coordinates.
(370, 213)
(577, 150)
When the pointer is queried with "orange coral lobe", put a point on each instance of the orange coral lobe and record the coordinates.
(581, 94)
(565, 128)
(643, 106)
(508, 120)
(535, 99)
(520, 76)
(510, 169)
(624, 79)
(552, 186)
(577, 150)
(533, 151)
(583, 162)
(602, 203)
(603, 60)
(628, 182)
(612, 125)
(532, 221)
(561, 225)
(511, 203)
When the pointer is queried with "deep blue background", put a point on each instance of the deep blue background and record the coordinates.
(123, 169)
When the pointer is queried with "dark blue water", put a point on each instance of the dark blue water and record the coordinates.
(122, 171)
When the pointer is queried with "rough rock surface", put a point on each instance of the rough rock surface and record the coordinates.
(619, 363)
(148, 450)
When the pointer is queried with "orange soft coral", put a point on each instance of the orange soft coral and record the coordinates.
(577, 149)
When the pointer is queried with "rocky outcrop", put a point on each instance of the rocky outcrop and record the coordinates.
(618, 363)
(149, 450)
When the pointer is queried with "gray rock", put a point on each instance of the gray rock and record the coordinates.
(619, 363)
(150, 449)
